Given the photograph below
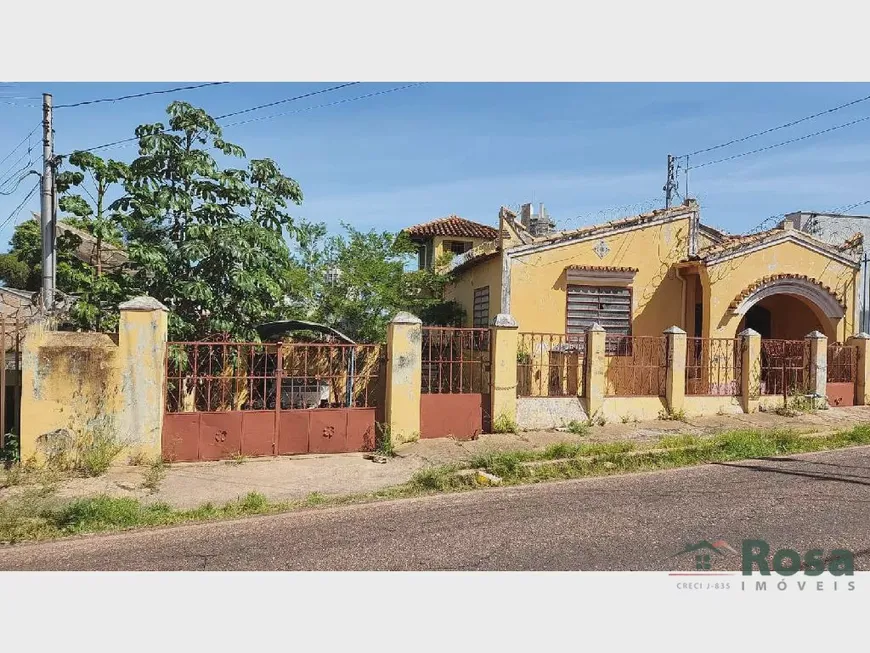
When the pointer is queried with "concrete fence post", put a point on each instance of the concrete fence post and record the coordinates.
(675, 389)
(596, 381)
(503, 374)
(404, 376)
(142, 336)
(818, 380)
(750, 366)
(862, 374)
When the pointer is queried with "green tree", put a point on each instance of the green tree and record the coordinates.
(206, 240)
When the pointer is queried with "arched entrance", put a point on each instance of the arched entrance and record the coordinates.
(788, 308)
(786, 317)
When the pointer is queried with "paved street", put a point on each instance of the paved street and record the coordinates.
(620, 523)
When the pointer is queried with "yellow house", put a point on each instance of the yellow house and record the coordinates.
(640, 275)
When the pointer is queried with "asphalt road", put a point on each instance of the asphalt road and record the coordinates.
(633, 522)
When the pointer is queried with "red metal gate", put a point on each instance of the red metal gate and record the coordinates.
(841, 375)
(222, 399)
(455, 399)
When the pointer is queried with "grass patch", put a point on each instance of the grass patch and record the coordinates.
(36, 514)
(577, 428)
(504, 424)
(155, 474)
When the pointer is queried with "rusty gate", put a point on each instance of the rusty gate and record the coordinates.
(455, 399)
(841, 374)
(12, 330)
(785, 367)
(227, 399)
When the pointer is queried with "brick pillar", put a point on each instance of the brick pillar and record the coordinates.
(142, 334)
(818, 364)
(675, 391)
(404, 372)
(750, 379)
(503, 376)
(862, 374)
(596, 382)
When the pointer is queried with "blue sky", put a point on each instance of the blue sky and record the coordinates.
(590, 152)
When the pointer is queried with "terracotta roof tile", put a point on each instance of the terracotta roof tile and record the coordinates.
(779, 277)
(741, 242)
(602, 268)
(453, 225)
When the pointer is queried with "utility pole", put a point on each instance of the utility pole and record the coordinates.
(670, 184)
(47, 205)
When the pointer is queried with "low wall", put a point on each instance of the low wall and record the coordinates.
(700, 405)
(75, 384)
(541, 413)
(618, 409)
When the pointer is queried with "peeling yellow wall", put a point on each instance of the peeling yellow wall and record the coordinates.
(729, 278)
(487, 273)
(617, 409)
(94, 383)
(539, 281)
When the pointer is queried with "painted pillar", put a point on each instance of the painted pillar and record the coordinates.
(750, 377)
(142, 335)
(862, 374)
(404, 375)
(675, 390)
(818, 364)
(596, 382)
(503, 375)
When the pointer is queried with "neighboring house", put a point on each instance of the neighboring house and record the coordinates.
(111, 256)
(16, 303)
(835, 228)
(451, 234)
(643, 274)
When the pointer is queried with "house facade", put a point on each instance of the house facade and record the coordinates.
(641, 275)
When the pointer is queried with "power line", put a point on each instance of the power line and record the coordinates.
(24, 140)
(138, 95)
(18, 208)
(227, 115)
(18, 183)
(770, 147)
(773, 129)
(292, 99)
(321, 106)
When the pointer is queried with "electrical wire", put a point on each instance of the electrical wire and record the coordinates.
(18, 208)
(227, 115)
(292, 99)
(299, 97)
(23, 141)
(321, 106)
(18, 183)
(770, 147)
(138, 95)
(773, 129)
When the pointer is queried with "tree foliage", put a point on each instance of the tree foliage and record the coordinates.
(208, 232)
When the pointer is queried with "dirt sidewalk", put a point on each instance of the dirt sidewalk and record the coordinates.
(187, 485)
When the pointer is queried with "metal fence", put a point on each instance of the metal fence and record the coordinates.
(635, 365)
(228, 376)
(842, 363)
(785, 367)
(551, 365)
(455, 361)
(12, 330)
(713, 366)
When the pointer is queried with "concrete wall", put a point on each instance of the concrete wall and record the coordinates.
(74, 384)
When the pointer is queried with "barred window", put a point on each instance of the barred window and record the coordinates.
(609, 306)
(481, 308)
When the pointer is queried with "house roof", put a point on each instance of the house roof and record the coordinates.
(733, 245)
(453, 225)
(111, 256)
